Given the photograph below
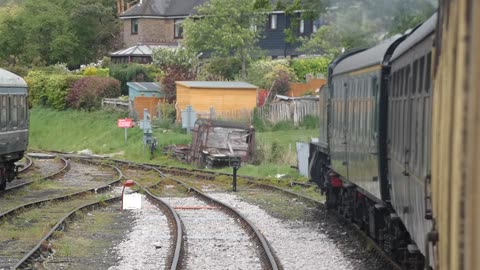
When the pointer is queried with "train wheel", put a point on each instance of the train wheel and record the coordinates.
(3, 179)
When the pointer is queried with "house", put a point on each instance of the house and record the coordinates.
(139, 53)
(226, 98)
(159, 22)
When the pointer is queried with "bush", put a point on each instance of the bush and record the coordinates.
(129, 73)
(257, 72)
(314, 66)
(87, 93)
(227, 68)
(49, 90)
(279, 78)
(90, 71)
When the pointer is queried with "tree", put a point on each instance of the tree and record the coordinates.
(178, 65)
(45, 32)
(226, 28)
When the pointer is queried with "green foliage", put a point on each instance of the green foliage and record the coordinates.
(103, 72)
(310, 122)
(174, 58)
(227, 68)
(226, 28)
(45, 32)
(304, 66)
(283, 125)
(130, 73)
(258, 71)
(280, 77)
(90, 71)
(87, 93)
(49, 90)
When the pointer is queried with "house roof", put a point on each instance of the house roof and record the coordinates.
(140, 50)
(216, 84)
(145, 86)
(10, 80)
(162, 8)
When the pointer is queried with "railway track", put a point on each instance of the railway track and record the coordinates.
(21, 183)
(172, 172)
(202, 204)
(21, 225)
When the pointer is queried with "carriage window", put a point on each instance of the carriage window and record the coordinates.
(3, 111)
(21, 111)
(414, 78)
(13, 111)
(428, 72)
(421, 73)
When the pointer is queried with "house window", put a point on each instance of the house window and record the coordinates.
(302, 27)
(178, 28)
(273, 21)
(134, 26)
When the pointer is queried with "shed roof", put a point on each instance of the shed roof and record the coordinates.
(9, 79)
(162, 8)
(140, 50)
(216, 84)
(145, 86)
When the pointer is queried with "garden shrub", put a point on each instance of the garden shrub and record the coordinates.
(90, 71)
(257, 72)
(314, 66)
(87, 93)
(310, 122)
(227, 68)
(279, 78)
(129, 73)
(49, 90)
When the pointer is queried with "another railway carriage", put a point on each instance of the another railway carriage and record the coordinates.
(409, 131)
(376, 159)
(13, 124)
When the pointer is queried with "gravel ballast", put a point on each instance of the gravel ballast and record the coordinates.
(147, 244)
(298, 246)
(214, 239)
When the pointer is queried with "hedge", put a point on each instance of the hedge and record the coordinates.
(88, 92)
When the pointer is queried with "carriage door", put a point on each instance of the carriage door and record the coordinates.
(346, 123)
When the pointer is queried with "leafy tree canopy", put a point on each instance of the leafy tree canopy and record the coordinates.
(226, 28)
(45, 32)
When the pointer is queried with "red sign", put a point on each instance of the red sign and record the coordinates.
(125, 123)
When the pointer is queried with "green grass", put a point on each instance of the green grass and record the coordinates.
(77, 130)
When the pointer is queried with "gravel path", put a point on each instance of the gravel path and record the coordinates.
(298, 246)
(214, 240)
(147, 244)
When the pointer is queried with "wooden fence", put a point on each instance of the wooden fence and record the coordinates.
(288, 111)
(115, 103)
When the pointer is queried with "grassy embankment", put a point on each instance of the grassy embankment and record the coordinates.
(97, 131)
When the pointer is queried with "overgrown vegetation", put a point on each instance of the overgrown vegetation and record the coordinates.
(87, 93)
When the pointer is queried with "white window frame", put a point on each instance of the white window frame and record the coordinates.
(273, 21)
(302, 26)
(178, 28)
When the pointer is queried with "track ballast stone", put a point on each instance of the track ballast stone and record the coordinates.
(298, 246)
(147, 245)
(214, 239)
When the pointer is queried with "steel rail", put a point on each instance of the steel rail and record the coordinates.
(101, 189)
(28, 165)
(61, 225)
(269, 260)
(65, 167)
(177, 248)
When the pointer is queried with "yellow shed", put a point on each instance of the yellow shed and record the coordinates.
(227, 98)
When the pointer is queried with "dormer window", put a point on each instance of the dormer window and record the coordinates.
(178, 28)
(134, 27)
